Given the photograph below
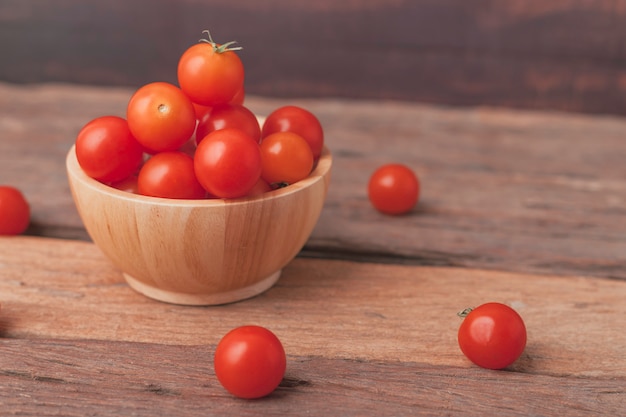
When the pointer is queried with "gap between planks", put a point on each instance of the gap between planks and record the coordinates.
(63, 289)
(77, 378)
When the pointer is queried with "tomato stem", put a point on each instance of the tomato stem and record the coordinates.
(465, 312)
(277, 185)
(220, 49)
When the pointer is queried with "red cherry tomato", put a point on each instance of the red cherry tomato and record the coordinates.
(228, 115)
(286, 158)
(297, 120)
(14, 211)
(209, 73)
(250, 362)
(161, 117)
(393, 189)
(492, 336)
(106, 149)
(169, 175)
(228, 163)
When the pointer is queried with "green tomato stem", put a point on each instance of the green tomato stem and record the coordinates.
(220, 49)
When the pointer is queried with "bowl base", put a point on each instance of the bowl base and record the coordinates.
(203, 299)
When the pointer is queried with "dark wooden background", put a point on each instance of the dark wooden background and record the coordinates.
(558, 54)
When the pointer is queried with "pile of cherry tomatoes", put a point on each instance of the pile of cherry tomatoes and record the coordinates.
(200, 138)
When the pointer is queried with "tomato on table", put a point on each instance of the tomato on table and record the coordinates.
(492, 336)
(227, 163)
(14, 211)
(209, 73)
(393, 189)
(296, 120)
(250, 362)
(161, 117)
(286, 158)
(106, 149)
(169, 175)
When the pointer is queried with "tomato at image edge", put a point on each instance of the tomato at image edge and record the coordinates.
(14, 211)
(492, 336)
(250, 362)
(393, 189)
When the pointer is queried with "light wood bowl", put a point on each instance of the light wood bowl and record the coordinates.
(200, 252)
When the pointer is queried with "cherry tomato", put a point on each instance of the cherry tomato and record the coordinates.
(107, 150)
(14, 211)
(209, 73)
(286, 158)
(169, 175)
(228, 115)
(161, 117)
(297, 120)
(393, 189)
(492, 336)
(250, 362)
(228, 163)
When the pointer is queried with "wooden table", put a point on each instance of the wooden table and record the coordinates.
(524, 208)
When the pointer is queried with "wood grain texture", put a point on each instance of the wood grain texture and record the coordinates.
(58, 289)
(361, 339)
(56, 377)
(565, 54)
(513, 190)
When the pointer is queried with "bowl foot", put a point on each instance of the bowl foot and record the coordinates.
(203, 299)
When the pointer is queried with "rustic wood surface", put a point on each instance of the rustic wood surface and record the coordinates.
(559, 54)
(363, 339)
(519, 207)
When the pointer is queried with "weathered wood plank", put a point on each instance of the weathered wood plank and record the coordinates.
(523, 191)
(333, 309)
(77, 378)
(565, 54)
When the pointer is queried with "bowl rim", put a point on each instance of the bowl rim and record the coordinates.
(320, 171)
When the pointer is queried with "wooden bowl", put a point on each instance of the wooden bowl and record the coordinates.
(200, 252)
